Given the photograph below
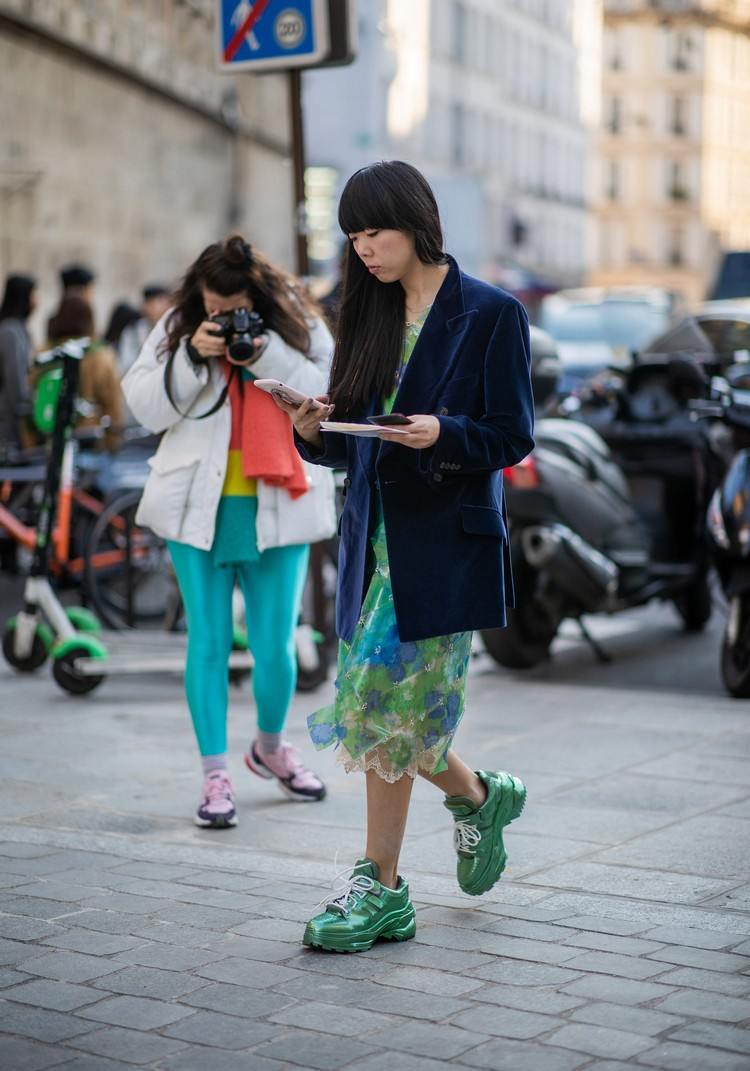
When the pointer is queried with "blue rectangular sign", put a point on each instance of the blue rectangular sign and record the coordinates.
(268, 34)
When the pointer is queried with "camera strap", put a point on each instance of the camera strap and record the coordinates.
(170, 394)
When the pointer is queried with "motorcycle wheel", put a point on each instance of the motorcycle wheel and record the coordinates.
(527, 637)
(694, 606)
(735, 657)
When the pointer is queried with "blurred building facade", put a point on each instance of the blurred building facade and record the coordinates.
(497, 101)
(122, 146)
(674, 163)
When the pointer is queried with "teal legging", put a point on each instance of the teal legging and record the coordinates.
(272, 589)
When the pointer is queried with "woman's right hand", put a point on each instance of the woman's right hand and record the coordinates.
(307, 417)
(207, 342)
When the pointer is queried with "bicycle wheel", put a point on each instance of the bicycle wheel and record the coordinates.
(127, 577)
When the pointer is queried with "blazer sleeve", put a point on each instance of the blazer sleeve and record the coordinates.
(143, 384)
(503, 436)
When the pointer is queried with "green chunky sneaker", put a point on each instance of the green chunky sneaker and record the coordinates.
(361, 911)
(478, 834)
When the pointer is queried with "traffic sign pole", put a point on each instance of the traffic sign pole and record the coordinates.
(298, 166)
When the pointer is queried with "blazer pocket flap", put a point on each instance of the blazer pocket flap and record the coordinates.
(163, 465)
(483, 520)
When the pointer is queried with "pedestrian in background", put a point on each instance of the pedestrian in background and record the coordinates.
(424, 548)
(99, 380)
(156, 299)
(16, 351)
(123, 315)
(230, 494)
(76, 280)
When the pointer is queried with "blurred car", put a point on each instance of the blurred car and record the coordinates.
(716, 337)
(597, 328)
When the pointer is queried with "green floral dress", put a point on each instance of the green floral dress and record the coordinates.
(397, 705)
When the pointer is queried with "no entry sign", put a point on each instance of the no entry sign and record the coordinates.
(270, 34)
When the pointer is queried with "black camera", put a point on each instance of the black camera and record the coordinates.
(240, 327)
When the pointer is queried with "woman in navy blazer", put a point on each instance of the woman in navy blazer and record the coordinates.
(424, 546)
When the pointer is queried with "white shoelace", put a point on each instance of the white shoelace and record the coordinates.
(348, 887)
(466, 837)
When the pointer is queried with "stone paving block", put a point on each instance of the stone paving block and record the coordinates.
(37, 907)
(609, 1065)
(172, 933)
(325, 1052)
(600, 1041)
(325, 963)
(39, 1023)
(505, 1022)
(519, 973)
(687, 935)
(230, 945)
(701, 957)
(717, 846)
(201, 1058)
(16, 1055)
(424, 1039)
(137, 1012)
(330, 988)
(238, 1000)
(222, 879)
(418, 955)
(150, 982)
(129, 903)
(506, 1055)
(114, 922)
(691, 1004)
(352, 1023)
(597, 924)
(426, 980)
(672, 1056)
(399, 1061)
(479, 941)
(715, 1034)
(253, 973)
(57, 862)
(93, 1063)
(63, 892)
(59, 996)
(647, 1021)
(734, 985)
(660, 886)
(527, 998)
(10, 977)
(20, 850)
(221, 1031)
(460, 918)
(23, 928)
(168, 957)
(607, 942)
(270, 930)
(650, 914)
(743, 949)
(617, 990)
(536, 931)
(12, 951)
(210, 918)
(67, 966)
(92, 943)
(157, 871)
(132, 1046)
(611, 963)
(405, 1003)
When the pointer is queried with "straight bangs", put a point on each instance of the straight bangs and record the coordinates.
(367, 203)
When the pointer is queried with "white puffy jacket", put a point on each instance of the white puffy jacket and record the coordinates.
(182, 493)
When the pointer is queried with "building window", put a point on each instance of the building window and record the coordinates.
(677, 186)
(614, 51)
(680, 53)
(676, 248)
(678, 124)
(458, 132)
(613, 180)
(614, 118)
(460, 33)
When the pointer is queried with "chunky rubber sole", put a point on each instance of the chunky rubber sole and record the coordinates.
(517, 802)
(290, 794)
(404, 930)
(219, 822)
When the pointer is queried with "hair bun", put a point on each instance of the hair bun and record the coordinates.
(238, 251)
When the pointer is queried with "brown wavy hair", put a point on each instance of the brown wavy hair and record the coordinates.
(233, 267)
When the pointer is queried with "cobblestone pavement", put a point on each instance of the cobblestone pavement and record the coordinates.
(619, 936)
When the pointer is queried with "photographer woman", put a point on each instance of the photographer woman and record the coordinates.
(231, 496)
(424, 552)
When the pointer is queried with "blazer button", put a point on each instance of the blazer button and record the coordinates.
(443, 412)
(437, 477)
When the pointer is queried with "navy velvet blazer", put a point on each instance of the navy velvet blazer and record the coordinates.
(444, 511)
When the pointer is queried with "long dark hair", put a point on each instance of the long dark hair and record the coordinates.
(17, 297)
(390, 196)
(233, 267)
(73, 319)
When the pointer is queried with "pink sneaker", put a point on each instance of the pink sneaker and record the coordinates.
(216, 809)
(292, 777)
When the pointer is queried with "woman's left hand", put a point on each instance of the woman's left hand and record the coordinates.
(423, 431)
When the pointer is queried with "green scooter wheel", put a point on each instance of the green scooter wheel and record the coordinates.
(38, 654)
(64, 668)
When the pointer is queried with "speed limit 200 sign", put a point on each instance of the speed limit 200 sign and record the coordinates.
(270, 34)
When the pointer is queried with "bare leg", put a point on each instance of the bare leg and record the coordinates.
(458, 780)
(387, 808)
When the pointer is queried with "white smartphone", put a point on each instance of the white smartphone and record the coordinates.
(286, 394)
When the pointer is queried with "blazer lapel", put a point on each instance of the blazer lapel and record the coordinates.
(436, 349)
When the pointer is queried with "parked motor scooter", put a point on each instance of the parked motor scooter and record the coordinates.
(728, 525)
(603, 521)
